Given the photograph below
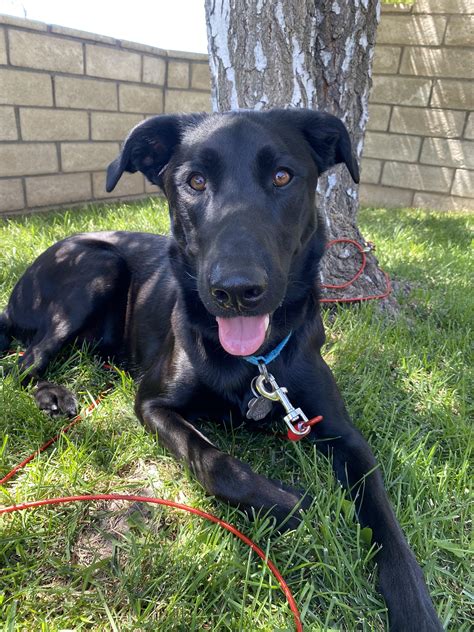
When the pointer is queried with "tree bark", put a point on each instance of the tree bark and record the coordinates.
(312, 54)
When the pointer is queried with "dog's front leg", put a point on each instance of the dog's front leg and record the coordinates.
(221, 474)
(400, 577)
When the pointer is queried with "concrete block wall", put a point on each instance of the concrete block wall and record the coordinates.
(419, 148)
(68, 99)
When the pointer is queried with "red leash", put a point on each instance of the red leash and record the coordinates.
(355, 277)
(168, 503)
(157, 501)
(46, 445)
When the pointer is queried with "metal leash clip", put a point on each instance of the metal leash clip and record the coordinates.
(295, 419)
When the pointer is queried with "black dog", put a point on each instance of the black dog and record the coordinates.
(237, 277)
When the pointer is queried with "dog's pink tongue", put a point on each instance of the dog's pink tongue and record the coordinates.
(242, 335)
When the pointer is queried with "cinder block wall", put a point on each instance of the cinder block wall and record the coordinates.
(419, 148)
(67, 99)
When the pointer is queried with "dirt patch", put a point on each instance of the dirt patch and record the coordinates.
(108, 527)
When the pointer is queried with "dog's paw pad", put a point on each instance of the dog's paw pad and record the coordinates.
(55, 400)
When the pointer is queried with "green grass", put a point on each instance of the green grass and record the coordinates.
(407, 385)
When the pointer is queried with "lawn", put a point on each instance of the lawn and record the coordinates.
(407, 384)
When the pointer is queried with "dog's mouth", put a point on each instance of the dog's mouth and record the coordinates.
(243, 335)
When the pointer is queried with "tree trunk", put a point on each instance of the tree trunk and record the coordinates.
(313, 54)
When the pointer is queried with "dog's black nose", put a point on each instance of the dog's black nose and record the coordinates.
(238, 291)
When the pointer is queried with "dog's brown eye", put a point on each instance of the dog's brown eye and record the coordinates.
(281, 177)
(197, 182)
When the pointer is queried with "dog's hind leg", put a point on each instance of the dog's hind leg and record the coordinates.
(74, 291)
(52, 398)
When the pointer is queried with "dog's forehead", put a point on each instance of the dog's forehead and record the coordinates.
(235, 134)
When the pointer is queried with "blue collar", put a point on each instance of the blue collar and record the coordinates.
(270, 356)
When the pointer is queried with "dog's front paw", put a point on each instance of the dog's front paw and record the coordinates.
(297, 501)
(55, 400)
(409, 604)
(423, 620)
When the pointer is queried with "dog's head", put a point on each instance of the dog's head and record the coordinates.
(241, 189)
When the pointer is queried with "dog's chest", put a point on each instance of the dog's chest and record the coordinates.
(229, 406)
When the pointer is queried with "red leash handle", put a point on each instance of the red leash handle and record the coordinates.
(169, 503)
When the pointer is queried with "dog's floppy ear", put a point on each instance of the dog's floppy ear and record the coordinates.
(149, 147)
(328, 139)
